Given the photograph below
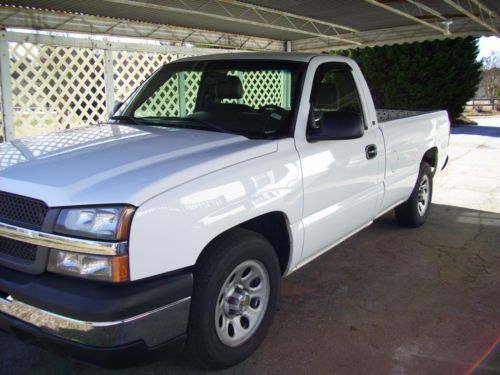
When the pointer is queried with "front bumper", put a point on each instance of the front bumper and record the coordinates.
(96, 322)
(116, 357)
(153, 327)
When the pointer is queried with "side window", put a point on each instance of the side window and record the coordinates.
(334, 90)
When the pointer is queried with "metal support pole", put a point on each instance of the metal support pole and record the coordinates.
(7, 107)
(109, 80)
(285, 88)
(241, 76)
(182, 93)
(287, 83)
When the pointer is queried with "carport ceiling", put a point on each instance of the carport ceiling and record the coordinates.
(264, 25)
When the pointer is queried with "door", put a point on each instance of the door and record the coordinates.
(340, 176)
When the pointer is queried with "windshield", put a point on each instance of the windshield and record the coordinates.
(255, 98)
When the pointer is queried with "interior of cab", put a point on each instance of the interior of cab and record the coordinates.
(255, 98)
(221, 100)
(334, 95)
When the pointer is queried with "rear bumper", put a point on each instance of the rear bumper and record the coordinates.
(445, 163)
(96, 322)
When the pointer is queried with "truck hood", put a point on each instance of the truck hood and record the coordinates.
(106, 164)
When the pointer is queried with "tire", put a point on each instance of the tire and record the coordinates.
(221, 300)
(414, 212)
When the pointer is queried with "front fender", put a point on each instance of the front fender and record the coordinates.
(171, 230)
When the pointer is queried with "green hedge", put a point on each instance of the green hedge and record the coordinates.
(441, 74)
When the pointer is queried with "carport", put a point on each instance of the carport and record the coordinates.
(263, 25)
(389, 300)
(95, 31)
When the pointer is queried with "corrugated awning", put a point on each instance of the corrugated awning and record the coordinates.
(309, 25)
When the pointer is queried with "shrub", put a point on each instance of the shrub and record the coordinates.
(440, 74)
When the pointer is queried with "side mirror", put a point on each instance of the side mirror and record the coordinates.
(116, 106)
(337, 125)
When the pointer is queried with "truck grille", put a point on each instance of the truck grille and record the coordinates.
(16, 249)
(22, 211)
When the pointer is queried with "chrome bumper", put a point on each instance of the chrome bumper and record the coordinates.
(153, 327)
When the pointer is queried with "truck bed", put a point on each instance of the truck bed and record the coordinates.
(385, 114)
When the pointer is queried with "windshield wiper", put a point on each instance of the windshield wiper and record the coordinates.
(198, 124)
(207, 125)
(131, 119)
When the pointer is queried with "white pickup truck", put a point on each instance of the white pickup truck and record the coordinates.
(170, 226)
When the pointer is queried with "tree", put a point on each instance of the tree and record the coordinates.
(440, 74)
(490, 77)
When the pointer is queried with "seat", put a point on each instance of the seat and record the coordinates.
(326, 97)
(228, 87)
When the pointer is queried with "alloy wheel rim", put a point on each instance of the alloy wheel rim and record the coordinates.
(242, 303)
(423, 195)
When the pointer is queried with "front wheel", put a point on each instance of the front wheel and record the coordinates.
(234, 299)
(413, 213)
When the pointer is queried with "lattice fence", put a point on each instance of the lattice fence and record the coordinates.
(176, 97)
(56, 87)
(130, 69)
(264, 88)
(261, 88)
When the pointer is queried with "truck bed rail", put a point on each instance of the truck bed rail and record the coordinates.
(384, 114)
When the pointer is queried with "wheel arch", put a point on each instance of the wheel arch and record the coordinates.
(431, 157)
(274, 226)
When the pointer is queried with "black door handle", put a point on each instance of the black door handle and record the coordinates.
(371, 151)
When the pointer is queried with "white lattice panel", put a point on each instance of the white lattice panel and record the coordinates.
(132, 68)
(56, 87)
(191, 85)
(176, 97)
(263, 88)
(164, 102)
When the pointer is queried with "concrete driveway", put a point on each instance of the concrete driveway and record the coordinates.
(388, 301)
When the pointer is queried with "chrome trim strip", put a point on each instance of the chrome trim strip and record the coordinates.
(154, 327)
(55, 241)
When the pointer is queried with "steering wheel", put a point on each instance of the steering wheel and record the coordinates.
(275, 114)
(266, 108)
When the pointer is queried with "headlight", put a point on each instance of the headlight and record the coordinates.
(104, 223)
(95, 267)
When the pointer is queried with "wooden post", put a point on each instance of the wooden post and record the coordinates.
(7, 107)
(109, 81)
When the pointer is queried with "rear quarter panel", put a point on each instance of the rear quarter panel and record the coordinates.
(406, 142)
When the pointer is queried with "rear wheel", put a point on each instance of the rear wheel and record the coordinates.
(413, 213)
(234, 299)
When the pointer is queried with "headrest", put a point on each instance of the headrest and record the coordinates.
(229, 88)
(326, 94)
